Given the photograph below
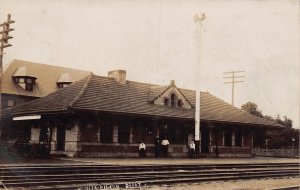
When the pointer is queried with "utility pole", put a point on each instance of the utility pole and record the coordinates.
(4, 44)
(198, 20)
(231, 75)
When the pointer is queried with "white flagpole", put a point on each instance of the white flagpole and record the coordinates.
(198, 20)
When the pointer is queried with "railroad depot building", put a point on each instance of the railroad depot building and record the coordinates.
(109, 116)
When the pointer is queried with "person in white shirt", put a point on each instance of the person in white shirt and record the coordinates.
(142, 149)
(165, 143)
(192, 149)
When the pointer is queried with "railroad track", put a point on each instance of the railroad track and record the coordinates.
(116, 176)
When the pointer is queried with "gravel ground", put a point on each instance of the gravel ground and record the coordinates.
(255, 184)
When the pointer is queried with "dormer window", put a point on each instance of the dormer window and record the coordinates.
(26, 83)
(29, 85)
(20, 80)
(169, 96)
(173, 100)
(180, 103)
(64, 80)
(62, 85)
(166, 101)
(24, 79)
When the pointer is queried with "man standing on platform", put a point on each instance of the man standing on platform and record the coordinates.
(157, 146)
(165, 143)
(192, 149)
(142, 149)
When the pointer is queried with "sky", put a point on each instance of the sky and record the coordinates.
(154, 41)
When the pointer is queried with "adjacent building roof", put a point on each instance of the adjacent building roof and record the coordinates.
(23, 72)
(96, 93)
(64, 78)
(46, 77)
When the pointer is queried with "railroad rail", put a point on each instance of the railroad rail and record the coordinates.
(120, 176)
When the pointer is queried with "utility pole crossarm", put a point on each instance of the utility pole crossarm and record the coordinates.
(232, 82)
(232, 76)
(233, 72)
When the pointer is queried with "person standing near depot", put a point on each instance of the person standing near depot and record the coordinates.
(192, 149)
(157, 146)
(142, 149)
(165, 143)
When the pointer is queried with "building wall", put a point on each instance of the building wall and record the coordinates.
(90, 145)
(233, 150)
(16, 99)
(83, 138)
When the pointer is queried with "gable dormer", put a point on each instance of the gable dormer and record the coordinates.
(24, 79)
(169, 96)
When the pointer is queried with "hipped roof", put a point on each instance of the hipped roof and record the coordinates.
(97, 93)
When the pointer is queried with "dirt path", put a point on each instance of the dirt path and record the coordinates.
(259, 184)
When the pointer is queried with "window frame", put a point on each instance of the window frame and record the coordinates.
(124, 134)
(9, 102)
(238, 137)
(106, 133)
(228, 138)
(173, 100)
(166, 101)
(28, 86)
(180, 103)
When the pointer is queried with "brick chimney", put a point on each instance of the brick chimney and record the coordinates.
(118, 75)
(172, 83)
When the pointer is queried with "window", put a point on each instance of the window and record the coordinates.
(228, 137)
(166, 101)
(150, 130)
(173, 100)
(21, 80)
(123, 134)
(106, 133)
(28, 81)
(10, 103)
(180, 103)
(44, 134)
(29, 86)
(88, 133)
(238, 137)
(176, 135)
(62, 85)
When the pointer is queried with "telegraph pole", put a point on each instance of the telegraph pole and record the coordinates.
(231, 75)
(198, 20)
(4, 44)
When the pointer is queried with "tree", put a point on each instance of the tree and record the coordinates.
(288, 123)
(281, 138)
(251, 108)
(284, 137)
